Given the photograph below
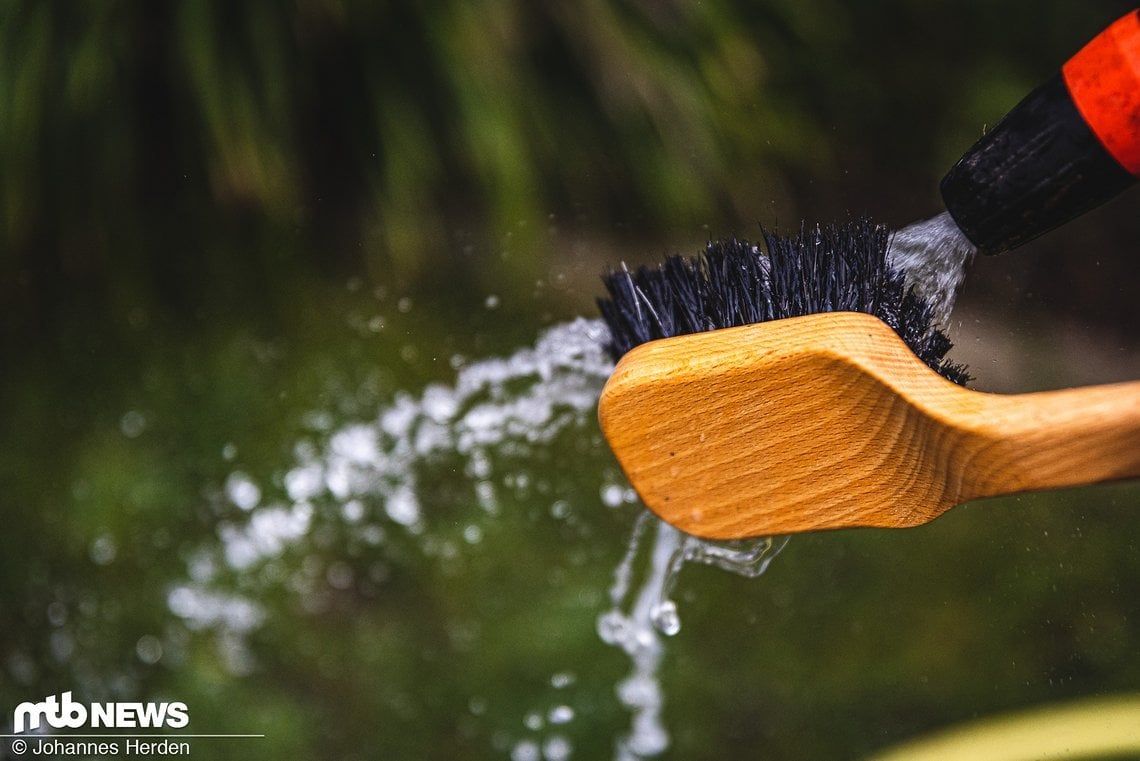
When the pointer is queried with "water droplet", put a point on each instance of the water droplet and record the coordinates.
(57, 613)
(562, 680)
(665, 618)
(557, 748)
(403, 506)
(149, 649)
(612, 495)
(242, 491)
(560, 715)
(103, 550)
(373, 535)
(613, 627)
(132, 424)
(353, 511)
(526, 750)
(439, 403)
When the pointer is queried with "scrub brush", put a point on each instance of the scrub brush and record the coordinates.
(802, 386)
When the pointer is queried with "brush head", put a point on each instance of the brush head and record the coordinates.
(837, 268)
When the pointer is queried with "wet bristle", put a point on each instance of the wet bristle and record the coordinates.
(735, 282)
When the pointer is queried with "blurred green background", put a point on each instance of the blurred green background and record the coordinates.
(229, 229)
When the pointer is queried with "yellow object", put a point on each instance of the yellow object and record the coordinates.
(1095, 728)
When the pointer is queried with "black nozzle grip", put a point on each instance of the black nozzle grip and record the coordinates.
(1038, 168)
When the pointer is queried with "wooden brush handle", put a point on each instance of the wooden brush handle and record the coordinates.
(829, 421)
(1053, 438)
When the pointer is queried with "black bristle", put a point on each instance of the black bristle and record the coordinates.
(822, 269)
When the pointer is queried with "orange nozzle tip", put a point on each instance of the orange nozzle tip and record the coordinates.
(1104, 82)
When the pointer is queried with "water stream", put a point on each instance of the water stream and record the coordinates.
(642, 613)
(934, 255)
(362, 482)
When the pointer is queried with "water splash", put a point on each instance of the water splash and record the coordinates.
(635, 633)
(637, 620)
(527, 398)
(361, 482)
(934, 255)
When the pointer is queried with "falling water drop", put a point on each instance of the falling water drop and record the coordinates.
(665, 618)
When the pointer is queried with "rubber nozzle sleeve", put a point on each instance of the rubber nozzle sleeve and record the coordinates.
(1069, 146)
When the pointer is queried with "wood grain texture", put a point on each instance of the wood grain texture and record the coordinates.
(829, 421)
